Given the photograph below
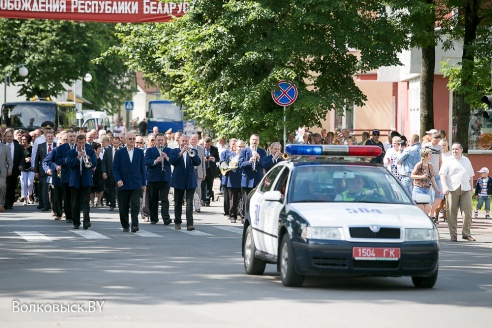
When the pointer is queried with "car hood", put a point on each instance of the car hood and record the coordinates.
(362, 214)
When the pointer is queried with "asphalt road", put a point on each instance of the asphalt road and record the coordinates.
(161, 277)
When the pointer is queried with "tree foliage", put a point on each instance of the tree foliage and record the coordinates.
(223, 59)
(59, 52)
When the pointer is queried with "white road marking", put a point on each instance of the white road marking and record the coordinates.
(231, 229)
(89, 234)
(143, 233)
(33, 236)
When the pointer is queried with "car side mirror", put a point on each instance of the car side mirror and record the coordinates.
(273, 196)
(422, 199)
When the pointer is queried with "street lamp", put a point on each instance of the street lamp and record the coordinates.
(23, 71)
(87, 78)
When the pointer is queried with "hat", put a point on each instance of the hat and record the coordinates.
(48, 125)
(376, 132)
(484, 170)
(170, 130)
(431, 131)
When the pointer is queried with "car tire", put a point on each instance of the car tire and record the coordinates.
(425, 282)
(252, 265)
(290, 278)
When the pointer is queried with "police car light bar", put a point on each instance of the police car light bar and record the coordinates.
(333, 150)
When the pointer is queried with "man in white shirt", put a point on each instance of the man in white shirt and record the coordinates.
(457, 181)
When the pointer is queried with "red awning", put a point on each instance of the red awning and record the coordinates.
(110, 11)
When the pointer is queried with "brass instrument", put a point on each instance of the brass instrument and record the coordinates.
(86, 159)
(191, 151)
(58, 174)
(232, 166)
(284, 156)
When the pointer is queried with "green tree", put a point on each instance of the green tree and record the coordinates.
(471, 23)
(59, 52)
(223, 59)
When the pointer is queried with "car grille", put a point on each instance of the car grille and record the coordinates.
(329, 262)
(361, 264)
(383, 233)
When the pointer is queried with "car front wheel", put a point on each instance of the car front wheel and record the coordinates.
(290, 278)
(425, 282)
(252, 265)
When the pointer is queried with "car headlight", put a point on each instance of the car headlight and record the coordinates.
(421, 234)
(327, 233)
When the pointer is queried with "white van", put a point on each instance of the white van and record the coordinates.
(96, 120)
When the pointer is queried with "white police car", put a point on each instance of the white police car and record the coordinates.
(315, 215)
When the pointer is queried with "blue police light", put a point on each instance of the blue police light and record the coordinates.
(333, 150)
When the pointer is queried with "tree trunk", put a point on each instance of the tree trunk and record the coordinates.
(427, 88)
(471, 21)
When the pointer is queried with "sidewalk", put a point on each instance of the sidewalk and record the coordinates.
(479, 226)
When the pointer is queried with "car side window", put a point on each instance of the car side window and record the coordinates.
(282, 182)
(267, 183)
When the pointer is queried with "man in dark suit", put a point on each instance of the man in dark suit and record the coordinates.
(158, 177)
(211, 157)
(183, 180)
(251, 166)
(61, 160)
(107, 171)
(130, 176)
(17, 153)
(43, 150)
(82, 163)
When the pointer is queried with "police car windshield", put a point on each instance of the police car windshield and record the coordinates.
(345, 183)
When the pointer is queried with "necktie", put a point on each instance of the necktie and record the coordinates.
(49, 148)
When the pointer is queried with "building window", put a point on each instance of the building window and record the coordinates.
(479, 128)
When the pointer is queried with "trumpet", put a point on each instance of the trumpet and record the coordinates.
(86, 159)
(191, 151)
(283, 156)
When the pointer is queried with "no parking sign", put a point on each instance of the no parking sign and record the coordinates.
(285, 93)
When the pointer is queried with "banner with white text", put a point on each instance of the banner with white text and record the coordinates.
(110, 11)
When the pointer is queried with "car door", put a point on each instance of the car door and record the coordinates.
(272, 213)
(258, 207)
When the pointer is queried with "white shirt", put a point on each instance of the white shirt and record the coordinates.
(130, 153)
(457, 172)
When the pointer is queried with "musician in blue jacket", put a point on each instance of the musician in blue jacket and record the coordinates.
(129, 172)
(183, 180)
(251, 166)
(82, 162)
(158, 178)
(269, 161)
(52, 170)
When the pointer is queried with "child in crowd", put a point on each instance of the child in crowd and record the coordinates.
(483, 190)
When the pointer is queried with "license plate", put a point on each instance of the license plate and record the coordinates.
(376, 253)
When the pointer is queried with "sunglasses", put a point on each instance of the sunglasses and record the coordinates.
(130, 138)
(138, 142)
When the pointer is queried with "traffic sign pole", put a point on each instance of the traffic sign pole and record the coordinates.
(285, 140)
